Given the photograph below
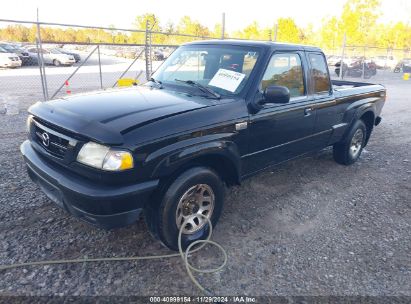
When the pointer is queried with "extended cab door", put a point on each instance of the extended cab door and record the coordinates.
(329, 113)
(281, 131)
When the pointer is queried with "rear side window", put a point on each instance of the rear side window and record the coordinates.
(285, 70)
(319, 74)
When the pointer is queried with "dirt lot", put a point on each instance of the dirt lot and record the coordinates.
(308, 227)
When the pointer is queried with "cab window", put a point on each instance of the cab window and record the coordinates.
(319, 74)
(285, 69)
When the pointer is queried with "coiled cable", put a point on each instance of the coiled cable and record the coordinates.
(184, 254)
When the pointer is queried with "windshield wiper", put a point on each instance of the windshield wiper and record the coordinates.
(201, 87)
(157, 82)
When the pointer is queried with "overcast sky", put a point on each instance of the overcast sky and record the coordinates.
(238, 13)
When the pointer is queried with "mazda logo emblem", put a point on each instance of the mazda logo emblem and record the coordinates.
(45, 138)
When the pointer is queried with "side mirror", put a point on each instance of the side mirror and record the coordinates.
(275, 94)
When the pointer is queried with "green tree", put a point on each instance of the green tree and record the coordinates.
(251, 31)
(358, 20)
(330, 34)
(288, 31)
(192, 27)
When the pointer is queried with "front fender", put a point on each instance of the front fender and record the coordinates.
(171, 158)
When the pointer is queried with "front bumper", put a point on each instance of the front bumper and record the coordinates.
(102, 205)
(68, 62)
(12, 64)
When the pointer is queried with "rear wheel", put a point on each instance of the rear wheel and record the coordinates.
(195, 195)
(349, 149)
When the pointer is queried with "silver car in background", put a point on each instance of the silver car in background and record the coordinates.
(9, 60)
(53, 56)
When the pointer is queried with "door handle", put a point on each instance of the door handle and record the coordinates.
(308, 111)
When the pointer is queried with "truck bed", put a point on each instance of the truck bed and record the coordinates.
(345, 88)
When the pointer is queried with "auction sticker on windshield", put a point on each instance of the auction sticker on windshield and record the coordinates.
(227, 80)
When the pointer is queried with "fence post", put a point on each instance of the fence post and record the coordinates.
(223, 27)
(40, 69)
(342, 57)
(275, 32)
(363, 64)
(41, 60)
(99, 66)
(148, 50)
(386, 58)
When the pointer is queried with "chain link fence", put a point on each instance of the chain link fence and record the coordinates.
(51, 65)
(54, 64)
(372, 64)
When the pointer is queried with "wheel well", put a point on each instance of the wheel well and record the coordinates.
(224, 167)
(368, 119)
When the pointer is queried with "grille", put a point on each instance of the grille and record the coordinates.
(50, 140)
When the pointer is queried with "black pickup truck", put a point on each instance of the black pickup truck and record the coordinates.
(214, 113)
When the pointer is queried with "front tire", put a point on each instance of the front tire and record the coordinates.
(347, 151)
(197, 190)
(56, 62)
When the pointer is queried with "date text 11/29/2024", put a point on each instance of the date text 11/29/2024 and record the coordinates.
(203, 299)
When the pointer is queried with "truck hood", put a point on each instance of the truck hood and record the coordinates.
(106, 116)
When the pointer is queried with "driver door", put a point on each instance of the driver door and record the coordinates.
(282, 131)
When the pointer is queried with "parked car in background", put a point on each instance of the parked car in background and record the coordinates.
(333, 60)
(403, 66)
(357, 67)
(158, 55)
(76, 56)
(167, 51)
(33, 58)
(9, 60)
(23, 55)
(53, 56)
(128, 53)
(385, 62)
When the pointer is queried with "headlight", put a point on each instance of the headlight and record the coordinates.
(102, 157)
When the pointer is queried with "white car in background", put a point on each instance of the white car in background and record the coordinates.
(9, 60)
(385, 62)
(53, 56)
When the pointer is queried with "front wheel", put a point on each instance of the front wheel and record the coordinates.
(347, 151)
(56, 62)
(195, 194)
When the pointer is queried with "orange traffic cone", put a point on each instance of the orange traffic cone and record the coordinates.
(68, 90)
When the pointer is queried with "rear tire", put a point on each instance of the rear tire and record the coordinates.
(347, 151)
(197, 190)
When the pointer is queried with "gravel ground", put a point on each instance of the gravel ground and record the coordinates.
(307, 227)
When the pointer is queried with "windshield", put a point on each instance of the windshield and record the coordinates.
(224, 69)
(8, 47)
(2, 50)
(55, 51)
